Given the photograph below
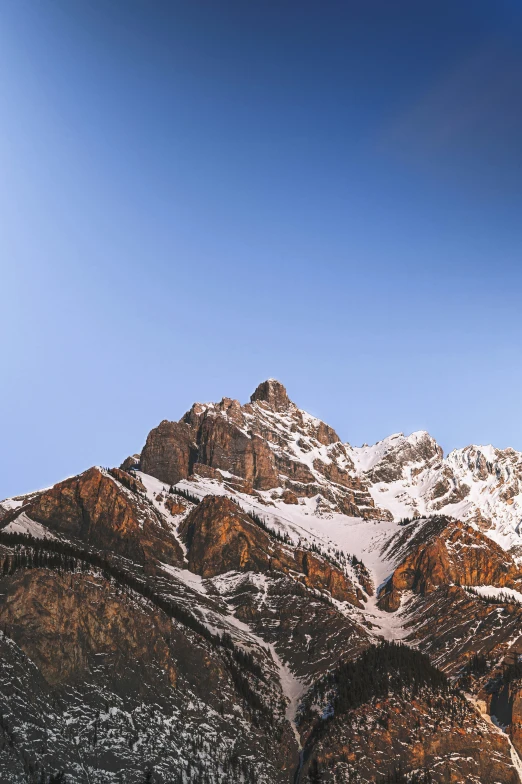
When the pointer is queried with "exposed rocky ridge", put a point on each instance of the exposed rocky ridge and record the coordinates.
(480, 484)
(453, 625)
(308, 632)
(108, 511)
(439, 552)
(437, 736)
(392, 711)
(387, 461)
(270, 444)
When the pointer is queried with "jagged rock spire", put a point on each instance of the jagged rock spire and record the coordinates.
(273, 393)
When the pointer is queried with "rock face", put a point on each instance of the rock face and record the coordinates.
(515, 699)
(169, 452)
(273, 394)
(119, 674)
(387, 461)
(132, 461)
(221, 538)
(266, 444)
(100, 510)
(88, 619)
(445, 552)
(478, 484)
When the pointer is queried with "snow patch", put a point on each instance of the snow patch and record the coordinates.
(24, 525)
(492, 592)
(188, 578)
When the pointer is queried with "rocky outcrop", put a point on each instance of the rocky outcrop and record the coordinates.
(130, 686)
(515, 727)
(439, 552)
(130, 462)
(225, 446)
(169, 452)
(220, 538)
(481, 484)
(108, 514)
(399, 452)
(64, 622)
(272, 393)
(129, 480)
(309, 633)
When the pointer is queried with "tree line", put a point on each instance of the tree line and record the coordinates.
(380, 670)
(173, 490)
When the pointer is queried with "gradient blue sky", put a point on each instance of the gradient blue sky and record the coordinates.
(195, 196)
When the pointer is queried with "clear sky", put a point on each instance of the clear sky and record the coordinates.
(195, 196)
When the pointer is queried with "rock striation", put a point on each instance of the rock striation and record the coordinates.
(108, 511)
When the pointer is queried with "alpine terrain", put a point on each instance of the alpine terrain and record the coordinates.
(251, 600)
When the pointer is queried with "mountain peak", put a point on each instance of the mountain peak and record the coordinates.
(272, 392)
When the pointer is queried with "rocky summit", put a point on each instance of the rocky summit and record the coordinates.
(249, 599)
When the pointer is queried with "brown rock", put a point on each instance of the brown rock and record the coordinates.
(322, 575)
(128, 480)
(254, 443)
(175, 505)
(207, 472)
(445, 552)
(419, 734)
(326, 435)
(94, 508)
(221, 537)
(169, 452)
(272, 393)
(515, 729)
(63, 622)
(225, 446)
(132, 461)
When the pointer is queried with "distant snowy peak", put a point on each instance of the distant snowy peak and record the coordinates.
(483, 462)
(387, 460)
(409, 477)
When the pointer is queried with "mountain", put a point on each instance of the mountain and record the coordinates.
(409, 476)
(249, 599)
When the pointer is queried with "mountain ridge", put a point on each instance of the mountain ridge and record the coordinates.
(250, 539)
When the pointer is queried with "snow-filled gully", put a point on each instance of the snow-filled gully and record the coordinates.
(292, 687)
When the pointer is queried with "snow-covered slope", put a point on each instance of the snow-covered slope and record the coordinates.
(480, 484)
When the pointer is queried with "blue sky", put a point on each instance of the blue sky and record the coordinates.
(197, 196)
